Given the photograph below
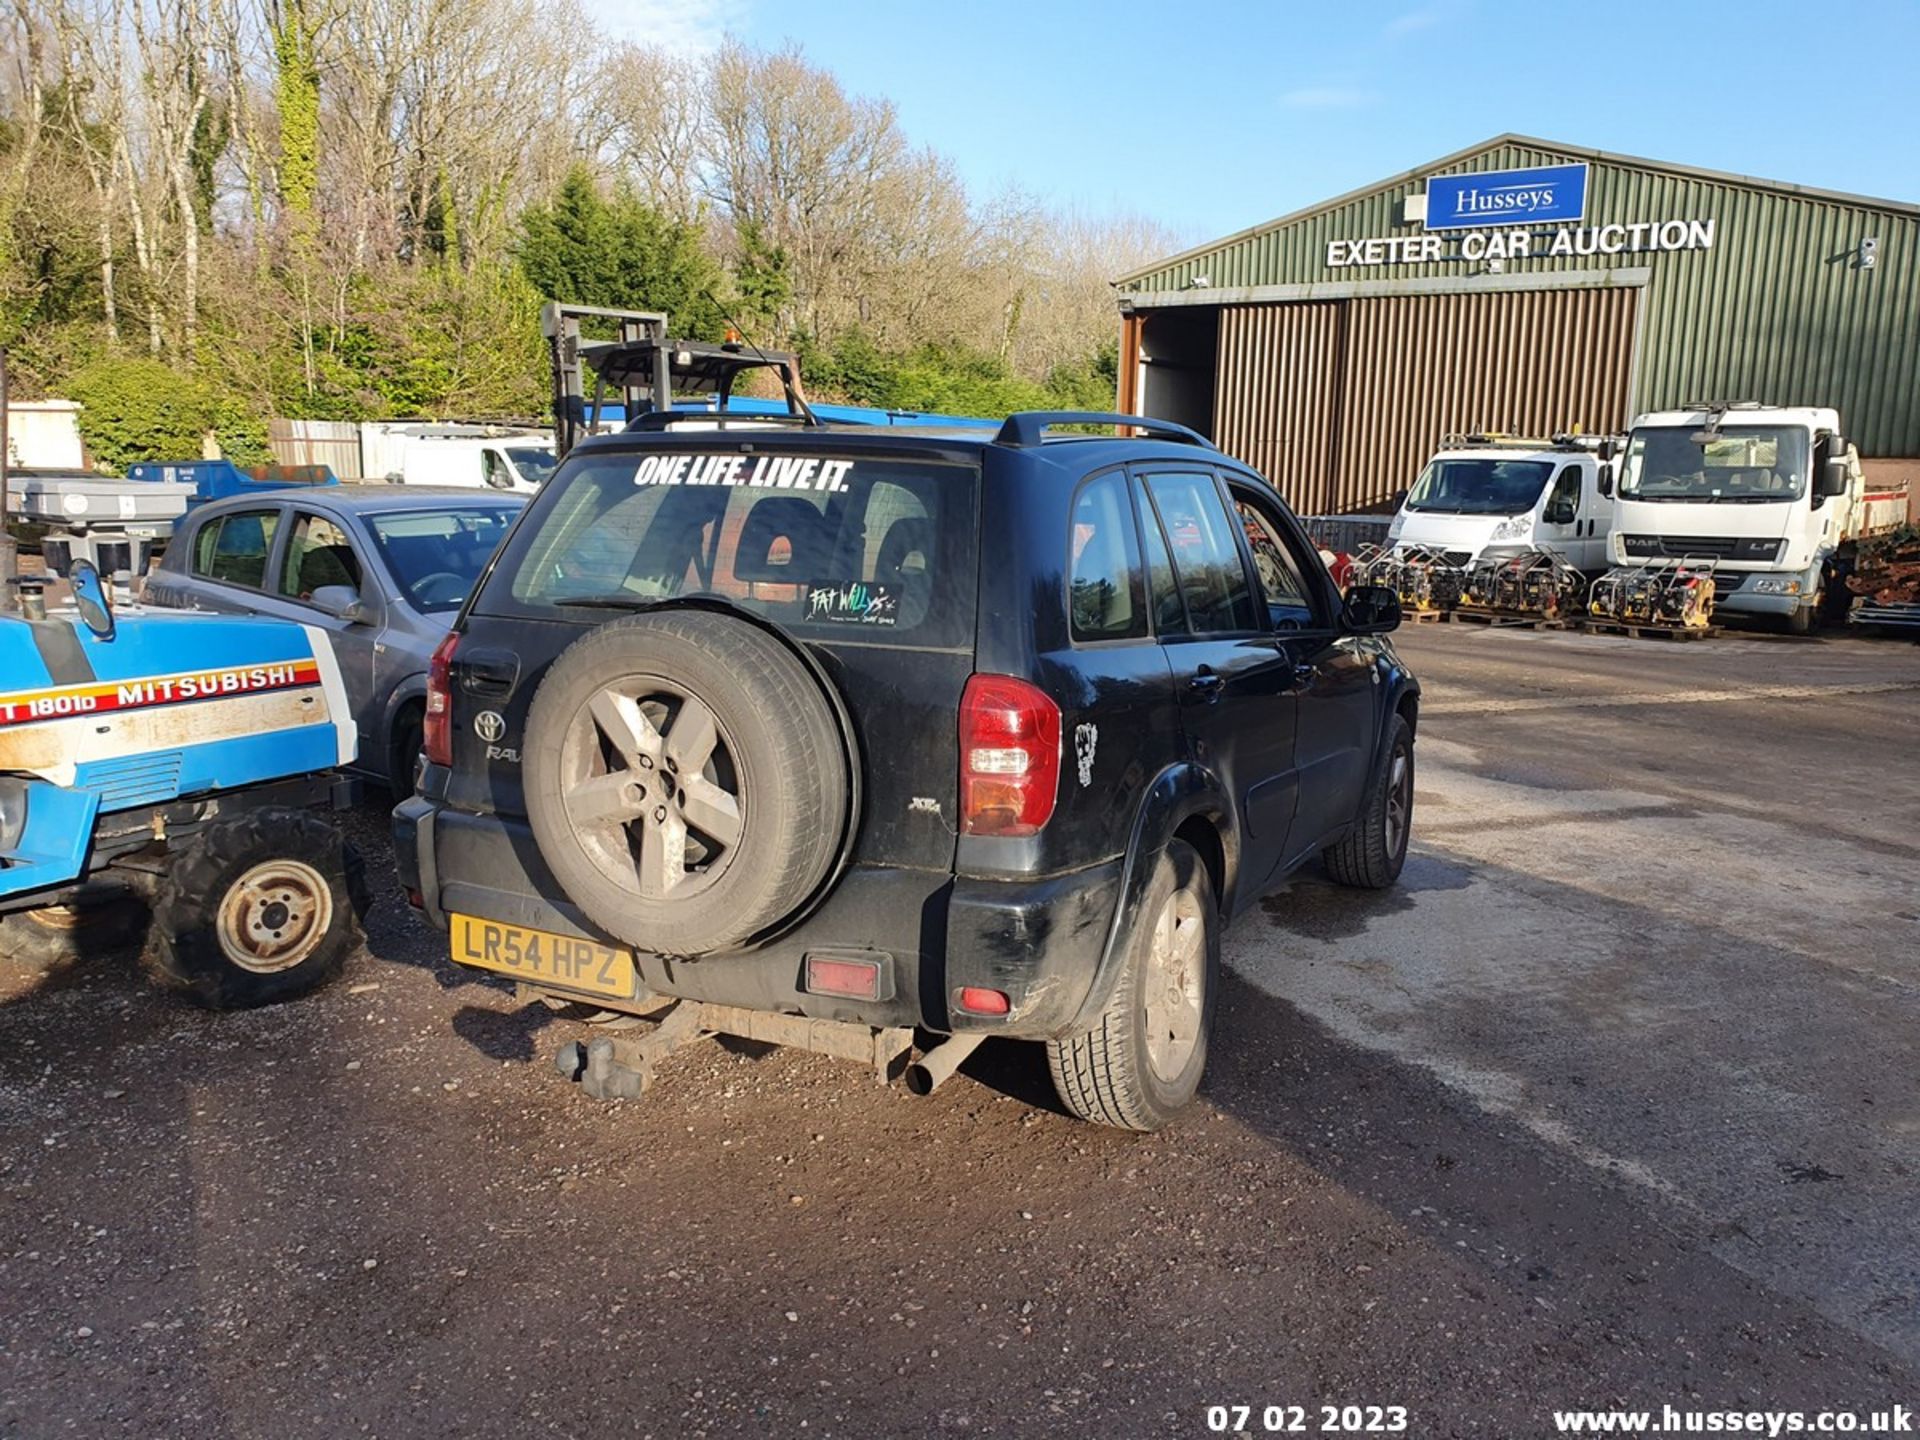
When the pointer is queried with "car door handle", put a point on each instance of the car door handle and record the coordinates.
(487, 672)
(1304, 672)
(1206, 685)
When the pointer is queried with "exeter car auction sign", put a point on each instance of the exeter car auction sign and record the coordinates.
(1513, 215)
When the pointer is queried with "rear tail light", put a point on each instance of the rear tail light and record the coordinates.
(436, 736)
(1009, 757)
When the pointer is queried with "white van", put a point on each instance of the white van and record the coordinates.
(470, 456)
(1490, 496)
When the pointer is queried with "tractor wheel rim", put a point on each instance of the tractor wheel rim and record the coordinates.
(1399, 801)
(1175, 984)
(652, 789)
(275, 916)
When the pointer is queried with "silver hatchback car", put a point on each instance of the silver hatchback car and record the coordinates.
(381, 570)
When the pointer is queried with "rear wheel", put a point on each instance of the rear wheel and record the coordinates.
(687, 781)
(258, 909)
(408, 737)
(1371, 855)
(1140, 1063)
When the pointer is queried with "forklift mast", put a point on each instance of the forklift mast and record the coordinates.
(646, 368)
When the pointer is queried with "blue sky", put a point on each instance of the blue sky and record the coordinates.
(1210, 118)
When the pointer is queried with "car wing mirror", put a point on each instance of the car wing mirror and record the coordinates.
(1370, 610)
(342, 602)
(1603, 482)
(1834, 476)
(1561, 512)
(90, 598)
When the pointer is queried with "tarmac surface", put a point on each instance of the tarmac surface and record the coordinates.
(1615, 1102)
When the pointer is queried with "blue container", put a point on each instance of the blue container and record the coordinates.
(217, 479)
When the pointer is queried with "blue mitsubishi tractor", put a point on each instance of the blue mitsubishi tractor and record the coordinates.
(172, 774)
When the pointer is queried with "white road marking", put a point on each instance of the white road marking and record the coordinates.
(1635, 699)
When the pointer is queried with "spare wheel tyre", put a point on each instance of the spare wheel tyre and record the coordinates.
(686, 780)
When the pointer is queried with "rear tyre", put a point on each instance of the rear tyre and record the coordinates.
(258, 909)
(1140, 1063)
(1371, 855)
(38, 947)
(409, 735)
(686, 780)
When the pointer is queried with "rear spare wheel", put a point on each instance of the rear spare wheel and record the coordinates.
(686, 780)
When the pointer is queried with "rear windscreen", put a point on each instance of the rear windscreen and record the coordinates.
(857, 548)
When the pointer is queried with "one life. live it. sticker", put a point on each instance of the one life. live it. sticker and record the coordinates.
(859, 602)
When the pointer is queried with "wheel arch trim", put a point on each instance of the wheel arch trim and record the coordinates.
(1178, 794)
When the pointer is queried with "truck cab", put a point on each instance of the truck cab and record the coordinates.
(1485, 497)
(1774, 496)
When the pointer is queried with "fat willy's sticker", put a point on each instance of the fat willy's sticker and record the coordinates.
(858, 603)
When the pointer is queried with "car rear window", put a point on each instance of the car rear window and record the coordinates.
(858, 548)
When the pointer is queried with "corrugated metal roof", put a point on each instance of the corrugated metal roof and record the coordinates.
(1776, 309)
(1549, 150)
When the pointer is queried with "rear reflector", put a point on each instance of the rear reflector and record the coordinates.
(850, 979)
(977, 1000)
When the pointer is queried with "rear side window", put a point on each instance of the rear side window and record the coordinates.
(318, 555)
(1206, 558)
(1104, 588)
(234, 548)
(851, 548)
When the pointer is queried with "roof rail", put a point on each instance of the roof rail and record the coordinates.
(1029, 427)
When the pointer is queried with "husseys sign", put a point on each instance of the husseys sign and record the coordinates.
(1513, 215)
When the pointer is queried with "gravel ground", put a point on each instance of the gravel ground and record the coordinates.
(1506, 1140)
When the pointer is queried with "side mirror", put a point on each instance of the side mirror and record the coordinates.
(1603, 482)
(1400, 501)
(1370, 610)
(1561, 512)
(1834, 476)
(1605, 452)
(90, 597)
(342, 602)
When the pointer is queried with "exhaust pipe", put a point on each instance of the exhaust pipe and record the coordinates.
(939, 1063)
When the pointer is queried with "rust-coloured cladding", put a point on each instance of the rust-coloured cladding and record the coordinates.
(1128, 400)
(1421, 368)
(1778, 308)
(1340, 402)
(1277, 401)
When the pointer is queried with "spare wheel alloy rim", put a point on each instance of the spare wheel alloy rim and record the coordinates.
(275, 916)
(651, 788)
(1176, 979)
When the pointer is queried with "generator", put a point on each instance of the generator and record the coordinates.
(1675, 594)
(1422, 576)
(1538, 583)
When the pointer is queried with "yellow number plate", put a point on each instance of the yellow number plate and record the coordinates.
(542, 958)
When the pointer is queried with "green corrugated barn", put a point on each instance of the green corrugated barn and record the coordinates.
(1551, 288)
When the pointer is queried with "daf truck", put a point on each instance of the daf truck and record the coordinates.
(1773, 496)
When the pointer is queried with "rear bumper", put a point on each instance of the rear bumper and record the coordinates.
(1039, 942)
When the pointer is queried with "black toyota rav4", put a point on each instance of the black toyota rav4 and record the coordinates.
(830, 735)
